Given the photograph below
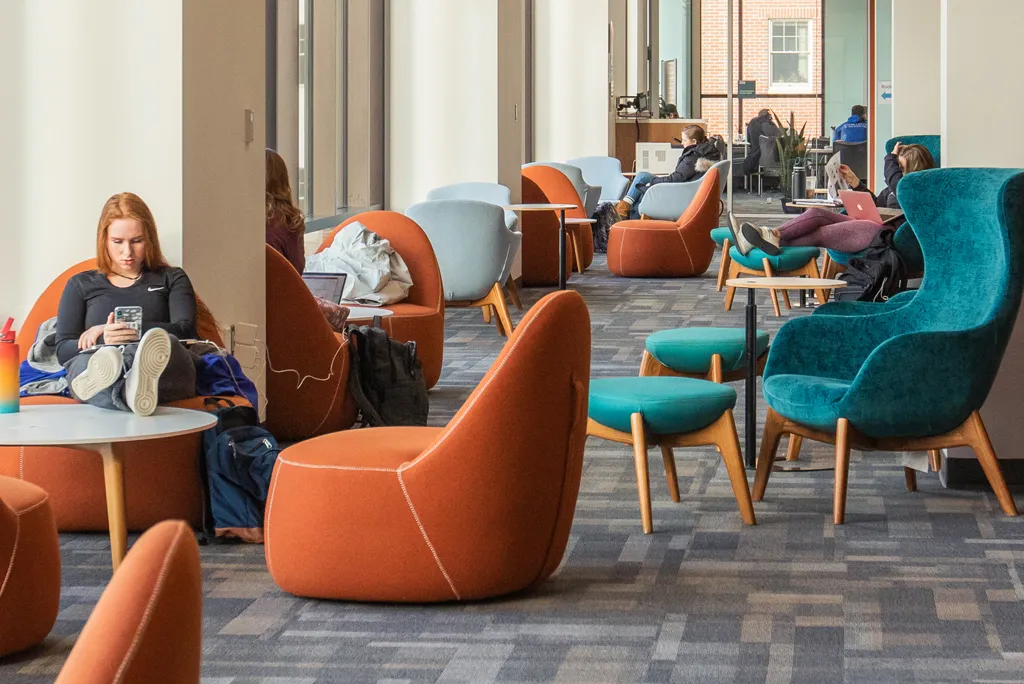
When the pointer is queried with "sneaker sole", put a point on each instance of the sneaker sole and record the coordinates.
(743, 245)
(151, 359)
(102, 371)
(753, 237)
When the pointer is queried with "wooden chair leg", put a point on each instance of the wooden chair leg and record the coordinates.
(910, 475)
(766, 456)
(577, 253)
(513, 292)
(715, 374)
(785, 297)
(730, 292)
(977, 438)
(502, 309)
(935, 460)
(728, 443)
(650, 366)
(643, 482)
(793, 450)
(842, 470)
(670, 472)
(812, 269)
(774, 293)
(723, 269)
(486, 308)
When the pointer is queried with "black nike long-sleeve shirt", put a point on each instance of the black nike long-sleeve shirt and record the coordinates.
(165, 295)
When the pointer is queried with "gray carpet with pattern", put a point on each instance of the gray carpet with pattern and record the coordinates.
(922, 587)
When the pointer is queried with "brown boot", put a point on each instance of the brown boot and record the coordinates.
(622, 208)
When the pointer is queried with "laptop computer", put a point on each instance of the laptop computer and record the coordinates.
(861, 206)
(329, 286)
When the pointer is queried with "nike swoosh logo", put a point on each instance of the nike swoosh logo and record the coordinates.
(154, 289)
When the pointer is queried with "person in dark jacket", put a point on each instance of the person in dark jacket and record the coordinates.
(854, 129)
(762, 124)
(695, 146)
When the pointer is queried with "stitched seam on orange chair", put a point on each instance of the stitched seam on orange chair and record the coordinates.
(467, 407)
(687, 249)
(148, 615)
(270, 510)
(423, 531)
(335, 467)
(34, 506)
(14, 552)
(21, 464)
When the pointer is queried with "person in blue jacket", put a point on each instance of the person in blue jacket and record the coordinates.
(854, 129)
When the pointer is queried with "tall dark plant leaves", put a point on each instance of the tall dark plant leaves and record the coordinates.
(792, 147)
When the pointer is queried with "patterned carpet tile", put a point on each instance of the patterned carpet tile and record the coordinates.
(916, 587)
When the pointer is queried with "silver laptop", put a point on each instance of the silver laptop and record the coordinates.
(329, 286)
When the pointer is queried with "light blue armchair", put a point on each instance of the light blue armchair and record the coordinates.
(590, 195)
(492, 193)
(474, 251)
(668, 201)
(913, 377)
(605, 173)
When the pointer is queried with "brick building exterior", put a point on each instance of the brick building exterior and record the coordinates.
(796, 26)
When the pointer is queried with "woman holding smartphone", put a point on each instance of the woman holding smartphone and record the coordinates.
(109, 363)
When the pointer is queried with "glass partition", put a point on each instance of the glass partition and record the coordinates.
(674, 47)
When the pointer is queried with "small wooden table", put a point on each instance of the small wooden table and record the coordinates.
(88, 428)
(752, 284)
(561, 209)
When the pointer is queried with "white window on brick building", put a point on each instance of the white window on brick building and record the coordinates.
(789, 55)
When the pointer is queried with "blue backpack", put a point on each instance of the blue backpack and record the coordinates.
(237, 464)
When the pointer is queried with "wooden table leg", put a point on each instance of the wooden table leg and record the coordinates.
(113, 480)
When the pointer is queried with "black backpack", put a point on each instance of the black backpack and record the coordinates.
(236, 466)
(880, 274)
(386, 379)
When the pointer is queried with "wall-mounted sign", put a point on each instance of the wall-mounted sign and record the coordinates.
(746, 89)
(885, 91)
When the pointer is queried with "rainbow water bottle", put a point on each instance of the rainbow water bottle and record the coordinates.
(10, 382)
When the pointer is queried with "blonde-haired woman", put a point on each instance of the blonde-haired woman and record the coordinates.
(108, 364)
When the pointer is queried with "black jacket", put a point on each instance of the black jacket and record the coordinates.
(893, 175)
(758, 126)
(685, 167)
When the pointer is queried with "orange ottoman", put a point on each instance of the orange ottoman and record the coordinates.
(29, 566)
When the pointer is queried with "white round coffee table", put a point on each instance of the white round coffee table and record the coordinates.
(368, 313)
(80, 426)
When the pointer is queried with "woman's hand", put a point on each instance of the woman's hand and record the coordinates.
(118, 333)
(849, 176)
(896, 149)
(90, 337)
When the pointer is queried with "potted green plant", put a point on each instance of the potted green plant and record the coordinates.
(792, 149)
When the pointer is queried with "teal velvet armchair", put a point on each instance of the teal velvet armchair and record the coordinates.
(913, 377)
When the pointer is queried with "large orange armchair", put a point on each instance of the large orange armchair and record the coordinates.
(668, 249)
(479, 508)
(308, 363)
(548, 185)
(419, 317)
(161, 475)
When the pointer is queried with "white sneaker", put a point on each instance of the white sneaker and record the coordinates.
(102, 371)
(143, 378)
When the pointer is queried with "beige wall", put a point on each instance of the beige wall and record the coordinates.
(978, 97)
(365, 104)
(443, 96)
(570, 72)
(917, 34)
(222, 175)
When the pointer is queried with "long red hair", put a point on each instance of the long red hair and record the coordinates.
(128, 205)
(279, 195)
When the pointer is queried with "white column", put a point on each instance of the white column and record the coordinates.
(917, 33)
(443, 96)
(570, 71)
(980, 42)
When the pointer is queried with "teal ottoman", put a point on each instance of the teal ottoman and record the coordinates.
(715, 354)
(793, 261)
(669, 412)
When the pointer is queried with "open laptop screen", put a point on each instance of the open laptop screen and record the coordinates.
(329, 286)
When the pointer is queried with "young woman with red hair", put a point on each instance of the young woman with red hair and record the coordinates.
(108, 364)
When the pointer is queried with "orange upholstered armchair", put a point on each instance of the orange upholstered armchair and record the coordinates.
(148, 624)
(548, 185)
(667, 249)
(161, 475)
(420, 317)
(29, 566)
(301, 344)
(479, 508)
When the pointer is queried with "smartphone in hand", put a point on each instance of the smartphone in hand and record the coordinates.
(130, 316)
